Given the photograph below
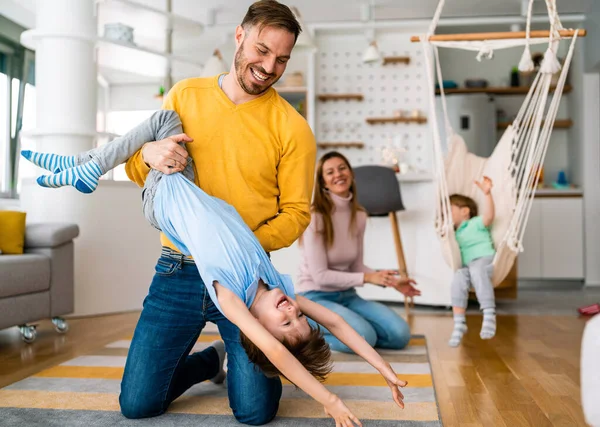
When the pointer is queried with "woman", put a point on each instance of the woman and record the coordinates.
(332, 261)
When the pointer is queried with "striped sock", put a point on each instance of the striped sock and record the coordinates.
(55, 163)
(83, 177)
(488, 327)
(460, 328)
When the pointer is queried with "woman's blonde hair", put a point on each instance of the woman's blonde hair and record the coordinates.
(323, 204)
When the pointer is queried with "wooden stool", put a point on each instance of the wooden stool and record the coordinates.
(378, 191)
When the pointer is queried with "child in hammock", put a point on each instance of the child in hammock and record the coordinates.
(477, 253)
(236, 270)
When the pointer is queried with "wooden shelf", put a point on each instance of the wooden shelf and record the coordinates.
(340, 97)
(521, 90)
(558, 124)
(414, 177)
(396, 60)
(382, 120)
(290, 89)
(326, 145)
(141, 16)
(555, 192)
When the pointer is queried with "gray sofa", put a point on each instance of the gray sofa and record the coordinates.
(39, 284)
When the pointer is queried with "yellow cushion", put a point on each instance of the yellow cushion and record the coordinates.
(12, 232)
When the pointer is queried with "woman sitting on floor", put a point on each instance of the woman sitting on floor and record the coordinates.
(332, 261)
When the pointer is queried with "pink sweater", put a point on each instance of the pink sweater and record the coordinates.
(339, 267)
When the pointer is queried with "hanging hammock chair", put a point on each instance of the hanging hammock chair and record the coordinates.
(514, 164)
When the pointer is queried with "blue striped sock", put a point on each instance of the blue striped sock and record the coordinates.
(83, 177)
(55, 163)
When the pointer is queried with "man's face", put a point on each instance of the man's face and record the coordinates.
(261, 57)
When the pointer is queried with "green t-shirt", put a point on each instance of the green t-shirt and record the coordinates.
(474, 240)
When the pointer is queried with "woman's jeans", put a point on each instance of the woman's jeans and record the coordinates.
(379, 325)
(159, 368)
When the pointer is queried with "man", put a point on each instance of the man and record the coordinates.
(253, 150)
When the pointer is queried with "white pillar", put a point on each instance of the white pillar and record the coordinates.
(64, 40)
(65, 75)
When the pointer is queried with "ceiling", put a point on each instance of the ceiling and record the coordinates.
(313, 11)
(232, 11)
(221, 16)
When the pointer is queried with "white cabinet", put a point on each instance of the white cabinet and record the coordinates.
(553, 241)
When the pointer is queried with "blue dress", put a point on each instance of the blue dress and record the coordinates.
(215, 235)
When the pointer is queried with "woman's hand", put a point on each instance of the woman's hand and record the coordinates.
(381, 277)
(337, 410)
(406, 287)
(394, 383)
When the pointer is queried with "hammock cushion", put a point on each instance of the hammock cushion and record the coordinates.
(462, 169)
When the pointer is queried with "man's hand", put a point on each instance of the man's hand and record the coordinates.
(166, 155)
(406, 287)
(485, 185)
(337, 410)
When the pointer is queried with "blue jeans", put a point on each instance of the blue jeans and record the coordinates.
(159, 368)
(379, 325)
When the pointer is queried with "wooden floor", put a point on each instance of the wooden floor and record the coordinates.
(527, 376)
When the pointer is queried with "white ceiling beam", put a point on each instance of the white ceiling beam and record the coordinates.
(444, 22)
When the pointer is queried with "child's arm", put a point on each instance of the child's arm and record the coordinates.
(489, 211)
(236, 311)
(346, 334)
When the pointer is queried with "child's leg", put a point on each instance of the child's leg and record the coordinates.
(481, 277)
(91, 165)
(459, 295)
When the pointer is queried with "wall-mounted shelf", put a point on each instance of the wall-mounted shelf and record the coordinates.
(558, 124)
(140, 16)
(562, 192)
(340, 97)
(521, 90)
(396, 60)
(290, 89)
(383, 120)
(327, 145)
(414, 177)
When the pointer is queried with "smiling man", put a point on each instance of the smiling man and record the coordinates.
(253, 150)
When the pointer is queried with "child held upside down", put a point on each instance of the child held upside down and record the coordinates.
(239, 276)
(477, 254)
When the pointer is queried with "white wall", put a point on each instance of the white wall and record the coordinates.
(134, 97)
(592, 24)
(116, 250)
(591, 174)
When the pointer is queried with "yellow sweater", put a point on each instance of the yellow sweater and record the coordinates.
(258, 156)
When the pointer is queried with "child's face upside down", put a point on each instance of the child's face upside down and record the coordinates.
(280, 315)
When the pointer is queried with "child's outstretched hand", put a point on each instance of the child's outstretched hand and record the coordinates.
(337, 410)
(485, 185)
(394, 383)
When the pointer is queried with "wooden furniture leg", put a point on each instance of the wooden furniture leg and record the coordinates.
(401, 261)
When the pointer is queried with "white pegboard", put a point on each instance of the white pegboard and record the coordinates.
(386, 88)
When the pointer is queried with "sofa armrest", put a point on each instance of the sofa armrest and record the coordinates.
(49, 235)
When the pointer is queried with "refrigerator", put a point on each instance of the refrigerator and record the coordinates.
(473, 116)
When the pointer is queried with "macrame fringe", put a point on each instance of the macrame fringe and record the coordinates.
(550, 64)
(526, 63)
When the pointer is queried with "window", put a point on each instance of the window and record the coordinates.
(17, 110)
(27, 169)
(119, 123)
(4, 133)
